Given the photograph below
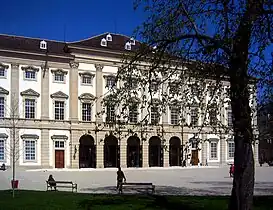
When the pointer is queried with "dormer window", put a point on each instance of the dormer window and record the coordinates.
(103, 42)
(109, 38)
(128, 46)
(132, 41)
(87, 78)
(43, 45)
(59, 75)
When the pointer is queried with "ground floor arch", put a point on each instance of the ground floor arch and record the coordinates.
(155, 152)
(134, 152)
(175, 152)
(87, 152)
(111, 152)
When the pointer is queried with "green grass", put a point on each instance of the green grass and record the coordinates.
(37, 200)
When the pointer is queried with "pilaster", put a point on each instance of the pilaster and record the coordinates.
(145, 154)
(223, 152)
(100, 150)
(256, 152)
(73, 91)
(204, 149)
(45, 93)
(166, 113)
(99, 92)
(123, 153)
(45, 148)
(14, 90)
(74, 148)
(166, 156)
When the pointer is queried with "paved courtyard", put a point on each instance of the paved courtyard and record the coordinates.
(183, 181)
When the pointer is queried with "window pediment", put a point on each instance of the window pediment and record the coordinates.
(59, 94)
(3, 66)
(29, 136)
(213, 140)
(59, 137)
(155, 101)
(87, 74)
(30, 68)
(86, 97)
(3, 136)
(59, 71)
(30, 92)
(4, 91)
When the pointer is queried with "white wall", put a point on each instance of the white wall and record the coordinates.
(7, 146)
(5, 83)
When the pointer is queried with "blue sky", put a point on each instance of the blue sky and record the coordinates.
(80, 19)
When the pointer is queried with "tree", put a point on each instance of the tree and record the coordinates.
(221, 40)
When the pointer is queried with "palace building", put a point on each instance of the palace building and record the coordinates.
(50, 91)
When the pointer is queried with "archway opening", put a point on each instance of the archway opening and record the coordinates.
(87, 152)
(175, 156)
(111, 152)
(155, 152)
(134, 152)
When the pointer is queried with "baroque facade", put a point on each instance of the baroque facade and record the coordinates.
(50, 88)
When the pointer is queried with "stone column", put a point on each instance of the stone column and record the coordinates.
(123, 153)
(166, 155)
(45, 148)
(145, 154)
(204, 149)
(223, 149)
(100, 150)
(14, 90)
(45, 93)
(74, 143)
(73, 92)
(256, 152)
(99, 92)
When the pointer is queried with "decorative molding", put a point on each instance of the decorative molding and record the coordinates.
(213, 140)
(30, 136)
(15, 65)
(86, 97)
(30, 68)
(59, 94)
(59, 71)
(4, 91)
(134, 100)
(86, 73)
(4, 66)
(109, 76)
(30, 92)
(44, 67)
(3, 136)
(59, 137)
(74, 65)
(155, 101)
(99, 67)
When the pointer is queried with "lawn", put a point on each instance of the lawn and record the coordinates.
(37, 200)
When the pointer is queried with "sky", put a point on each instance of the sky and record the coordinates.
(68, 20)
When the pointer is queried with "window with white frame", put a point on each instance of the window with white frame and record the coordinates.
(58, 77)
(110, 81)
(231, 149)
(2, 106)
(213, 150)
(110, 113)
(154, 115)
(59, 144)
(194, 116)
(31, 75)
(30, 108)
(2, 72)
(86, 111)
(213, 115)
(87, 80)
(30, 150)
(229, 116)
(133, 113)
(59, 110)
(2, 149)
(174, 115)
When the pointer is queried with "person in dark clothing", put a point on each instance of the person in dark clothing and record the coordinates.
(3, 167)
(51, 182)
(120, 177)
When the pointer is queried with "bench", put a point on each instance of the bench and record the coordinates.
(147, 186)
(61, 184)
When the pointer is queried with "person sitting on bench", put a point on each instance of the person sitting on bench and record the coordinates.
(51, 181)
(3, 167)
(120, 177)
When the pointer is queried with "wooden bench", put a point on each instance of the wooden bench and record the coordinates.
(147, 186)
(61, 184)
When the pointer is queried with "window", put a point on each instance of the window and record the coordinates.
(110, 113)
(59, 77)
(110, 81)
(87, 80)
(231, 149)
(109, 38)
(86, 111)
(103, 42)
(59, 144)
(213, 116)
(2, 107)
(128, 46)
(154, 85)
(154, 116)
(59, 110)
(2, 150)
(194, 116)
(30, 150)
(133, 113)
(2, 72)
(229, 113)
(133, 83)
(29, 108)
(30, 75)
(174, 116)
(213, 150)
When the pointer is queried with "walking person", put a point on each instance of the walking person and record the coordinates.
(120, 178)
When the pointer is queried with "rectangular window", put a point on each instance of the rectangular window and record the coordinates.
(229, 118)
(110, 113)
(59, 110)
(2, 72)
(30, 75)
(29, 108)
(174, 116)
(110, 82)
(86, 80)
(154, 85)
(231, 149)
(194, 116)
(2, 107)
(213, 150)
(86, 111)
(213, 116)
(58, 77)
(30, 150)
(59, 144)
(2, 150)
(133, 113)
(154, 116)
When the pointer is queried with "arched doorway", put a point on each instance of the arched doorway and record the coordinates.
(111, 152)
(134, 152)
(155, 152)
(87, 152)
(175, 153)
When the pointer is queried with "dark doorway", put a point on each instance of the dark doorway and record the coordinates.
(175, 153)
(155, 152)
(111, 152)
(134, 152)
(194, 157)
(87, 152)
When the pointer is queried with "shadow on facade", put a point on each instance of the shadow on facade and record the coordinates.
(134, 152)
(155, 152)
(111, 152)
(175, 152)
(87, 152)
